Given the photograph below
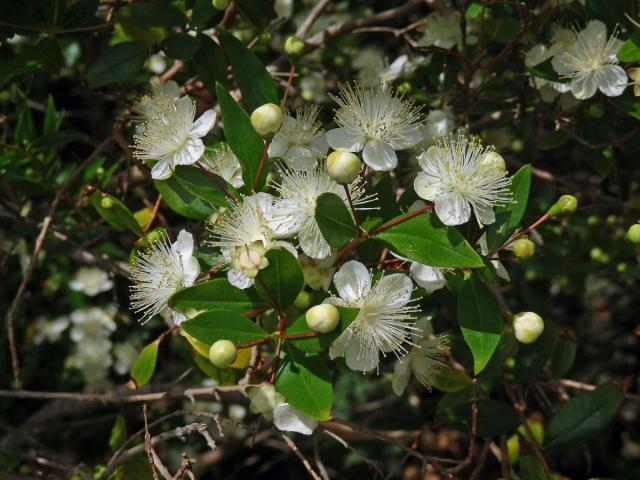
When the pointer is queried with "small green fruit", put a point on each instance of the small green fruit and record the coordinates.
(323, 318)
(220, 4)
(633, 234)
(106, 202)
(294, 46)
(524, 248)
(223, 353)
(303, 300)
(566, 205)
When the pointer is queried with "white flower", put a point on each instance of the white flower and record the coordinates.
(454, 178)
(562, 39)
(382, 323)
(441, 29)
(93, 325)
(293, 213)
(159, 272)
(288, 419)
(283, 8)
(162, 96)
(500, 269)
(437, 124)
(243, 235)
(124, 353)
(300, 140)
(376, 121)
(313, 88)
(91, 281)
(591, 63)
(172, 137)
(49, 330)
(425, 359)
(224, 163)
(317, 273)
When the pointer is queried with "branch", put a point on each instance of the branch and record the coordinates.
(302, 458)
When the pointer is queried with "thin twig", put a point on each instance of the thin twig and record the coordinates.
(147, 443)
(302, 458)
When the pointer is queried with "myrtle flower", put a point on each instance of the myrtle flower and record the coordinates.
(162, 96)
(383, 322)
(376, 121)
(438, 123)
(459, 174)
(124, 354)
(300, 142)
(224, 163)
(243, 235)
(562, 38)
(172, 137)
(293, 213)
(159, 272)
(441, 29)
(264, 399)
(425, 360)
(317, 273)
(49, 330)
(91, 281)
(313, 88)
(591, 63)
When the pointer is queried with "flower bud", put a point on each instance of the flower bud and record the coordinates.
(528, 326)
(220, 4)
(250, 259)
(524, 248)
(106, 202)
(267, 119)
(303, 300)
(633, 234)
(222, 353)
(566, 205)
(323, 318)
(493, 160)
(343, 167)
(294, 46)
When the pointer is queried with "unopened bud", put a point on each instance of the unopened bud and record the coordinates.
(294, 46)
(303, 300)
(528, 326)
(566, 205)
(524, 248)
(106, 202)
(633, 234)
(343, 167)
(220, 4)
(494, 161)
(223, 353)
(250, 259)
(267, 119)
(323, 318)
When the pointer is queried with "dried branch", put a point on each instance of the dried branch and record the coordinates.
(303, 459)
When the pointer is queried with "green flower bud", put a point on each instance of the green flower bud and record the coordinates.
(223, 353)
(566, 205)
(524, 248)
(294, 46)
(343, 167)
(267, 119)
(303, 300)
(527, 326)
(220, 4)
(106, 202)
(633, 234)
(323, 318)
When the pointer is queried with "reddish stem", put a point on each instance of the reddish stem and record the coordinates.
(293, 336)
(253, 343)
(292, 70)
(154, 213)
(282, 327)
(254, 312)
(527, 230)
(400, 220)
(260, 166)
(353, 208)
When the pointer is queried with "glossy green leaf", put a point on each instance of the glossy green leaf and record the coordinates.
(321, 342)
(582, 417)
(494, 417)
(242, 139)
(451, 380)
(209, 63)
(214, 325)
(306, 384)
(480, 321)
(181, 45)
(144, 366)
(630, 50)
(258, 12)
(564, 354)
(181, 201)
(117, 214)
(217, 294)
(203, 186)
(424, 239)
(509, 216)
(251, 76)
(531, 358)
(118, 433)
(281, 281)
(152, 14)
(531, 468)
(79, 14)
(334, 220)
(119, 63)
(44, 55)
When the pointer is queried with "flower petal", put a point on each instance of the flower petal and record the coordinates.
(288, 419)
(401, 375)
(395, 289)
(352, 281)
(190, 153)
(484, 214)
(361, 358)
(278, 146)
(184, 244)
(379, 155)
(342, 139)
(406, 138)
(162, 170)
(300, 158)
(453, 210)
(429, 278)
(203, 125)
(584, 86)
(613, 80)
(426, 186)
(312, 242)
(284, 218)
(238, 279)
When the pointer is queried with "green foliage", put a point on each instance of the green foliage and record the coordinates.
(144, 366)
(320, 343)
(213, 325)
(281, 281)
(181, 201)
(216, 294)
(334, 220)
(115, 212)
(119, 63)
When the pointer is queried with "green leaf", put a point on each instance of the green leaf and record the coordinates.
(45, 55)
(117, 214)
(630, 50)
(144, 366)
(628, 103)
(209, 63)
(531, 468)
(480, 321)
(545, 71)
(118, 433)
(281, 281)
(564, 354)
(152, 14)
(217, 294)
(581, 418)
(553, 140)
(494, 418)
(321, 342)
(306, 384)
(509, 216)
(242, 139)
(119, 63)
(224, 376)
(250, 75)
(182, 201)
(334, 220)
(449, 379)
(258, 12)
(196, 182)
(531, 358)
(424, 239)
(181, 45)
(79, 14)
(214, 325)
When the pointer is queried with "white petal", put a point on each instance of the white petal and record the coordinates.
(559, 65)
(190, 153)
(613, 80)
(361, 358)
(278, 146)
(397, 289)
(288, 419)
(191, 270)
(352, 280)
(300, 158)
(287, 246)
(203, 125)
(341, 139)
(285, 218)
(184, 244)
(177, 318)
(484, 214)
(429, 278)
(453, 210)
(401, 375)
(406, 138)
(584, 86)
(379, 155)
(426, 186)
(319, 146)
(238, 279)
(500, 270)
(171, 88)
(162, 170)
(595, 32)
